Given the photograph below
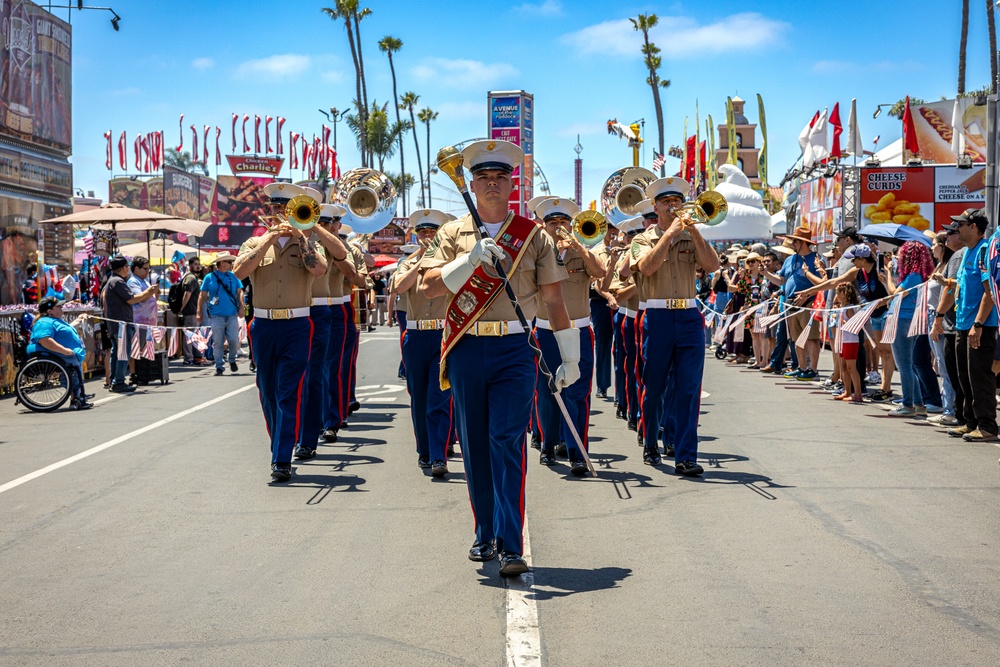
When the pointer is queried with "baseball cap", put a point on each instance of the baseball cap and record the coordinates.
(48, 303)
(859, 250)
(974, 215)
(847, 232)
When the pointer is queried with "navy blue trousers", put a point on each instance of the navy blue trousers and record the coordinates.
(281, 353)
(317, 386)
(631, 383)
(335, 407)
(351, 359)
(673, 343)
(401, 321)
(601, 320)
(492, 386)
(551, 424)
(430, 406)
(619, 357)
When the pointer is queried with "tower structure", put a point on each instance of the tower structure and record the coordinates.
(746, 149)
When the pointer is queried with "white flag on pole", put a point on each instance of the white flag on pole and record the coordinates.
(804, 143)
(957, 130)
(854, 144)
(819, 140)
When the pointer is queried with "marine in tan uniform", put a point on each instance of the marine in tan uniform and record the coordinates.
(282, 265)
(582, 267)
(492, 367)
(667, 255)
(430, 406)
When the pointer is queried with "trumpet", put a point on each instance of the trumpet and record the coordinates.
(590, 228)
(709, 208)
(301, 212)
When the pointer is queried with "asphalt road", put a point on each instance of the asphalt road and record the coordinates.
(820, 534)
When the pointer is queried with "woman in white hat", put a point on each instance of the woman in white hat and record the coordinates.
(749, 285)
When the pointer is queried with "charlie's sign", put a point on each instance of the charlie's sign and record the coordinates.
(251, 164)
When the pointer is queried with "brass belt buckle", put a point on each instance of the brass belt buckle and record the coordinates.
(490, 329)
(425, 325)
(678, 304)
(279, 314)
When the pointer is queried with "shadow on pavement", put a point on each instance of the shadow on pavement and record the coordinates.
(558, 582)
(323, 484)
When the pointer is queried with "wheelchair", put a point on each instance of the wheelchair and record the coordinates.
(45, 382)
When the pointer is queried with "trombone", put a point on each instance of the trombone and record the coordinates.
(301, 212)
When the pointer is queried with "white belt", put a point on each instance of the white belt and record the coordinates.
(281, 313)
(642, 305)
(672, 304)
(323, 300)
(425, 325)
(496, 328)
(628, 312)
(581, 323)
(337, 300)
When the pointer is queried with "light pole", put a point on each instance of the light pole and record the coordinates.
(334, 117)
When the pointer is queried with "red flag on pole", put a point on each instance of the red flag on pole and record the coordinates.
(159, 151)
(246, 146)
(267, 134)
(218, 153)
(107, 160)
(909, 132)
(277, 133)
(293, 158)
(180, 146)
(256, 134)
(838, 129)
(123, 151)
(689, 166)
(204, 143)
(145, 152)
(235, 118)
(194, 142)
(136, 144)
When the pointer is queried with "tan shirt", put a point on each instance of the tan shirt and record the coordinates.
(338, 284)
(618, 283)
(321, 286)
(282, 279)
(675, 278)
(419, 307)
(575, 289)
(538, 266)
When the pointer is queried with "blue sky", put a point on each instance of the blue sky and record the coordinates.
(580, 59)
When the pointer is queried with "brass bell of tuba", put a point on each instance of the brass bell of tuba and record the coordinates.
(302, 212)
(709, 208)
(590, 228)
(369, 197)
(623, 191)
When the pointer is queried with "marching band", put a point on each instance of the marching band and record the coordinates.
(504, 322)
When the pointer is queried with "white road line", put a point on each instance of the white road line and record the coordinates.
(107, 399)
(524, 645)
(117, 441)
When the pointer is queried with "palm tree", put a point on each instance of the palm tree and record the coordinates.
(961, 46)
(426, 116)
(183, 161)
(408, 102)
(388, 46)
(381, 136)
(899, 107)
(992, 25)
(402, 182)
(644, 23)
(347, 11)
(323, 182)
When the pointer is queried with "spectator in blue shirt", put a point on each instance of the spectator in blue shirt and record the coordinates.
(792, 276)
(51, 335)
(921, 393)
(976, 328)
(222, 297)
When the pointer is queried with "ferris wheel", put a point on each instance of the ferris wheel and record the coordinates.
(446, 197)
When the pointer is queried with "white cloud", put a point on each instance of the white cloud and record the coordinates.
(680, 37)
(546, 8)
(202, 63)
(455, 111)
(462, 73)
(288, 64)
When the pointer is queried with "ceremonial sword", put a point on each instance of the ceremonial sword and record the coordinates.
(450, 161)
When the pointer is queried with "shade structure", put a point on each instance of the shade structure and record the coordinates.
(894, 234)
(384, 260)
(113, 214)
(158, 248)
(168, 225)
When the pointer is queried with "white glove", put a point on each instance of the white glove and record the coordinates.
(458, 271)
(568, 372)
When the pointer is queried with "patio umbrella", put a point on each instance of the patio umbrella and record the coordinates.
(112, 214)
(894, 234)
(162, 248)
(384, 260)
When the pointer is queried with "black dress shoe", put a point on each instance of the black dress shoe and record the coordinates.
(344, 424)
(578, 468)
(536, 442)
(638, 437)
(451, 450)
(547, 459)
(281, 472)
(439, 468)
(253, 367)
(512, 565)
(650, 457)
(602, 393)
(233, 367)
(424, 462)
(122, 389)
(304, 453)
(330, 435)
(561, 449)
(668, 450)
(659, 433)
(688, 469)
(353, 407)
(481, 552)
(633, 425)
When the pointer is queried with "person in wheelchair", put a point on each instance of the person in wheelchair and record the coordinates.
(52, 336)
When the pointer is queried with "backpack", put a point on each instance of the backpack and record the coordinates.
(175, 297)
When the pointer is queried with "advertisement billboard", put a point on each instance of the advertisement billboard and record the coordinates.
(35, 76)
(19, 237)
(920, 197)
(511, 118)
(129, 193)
(821, 205)
(44, 175)
(181, 193)
(935, 123)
